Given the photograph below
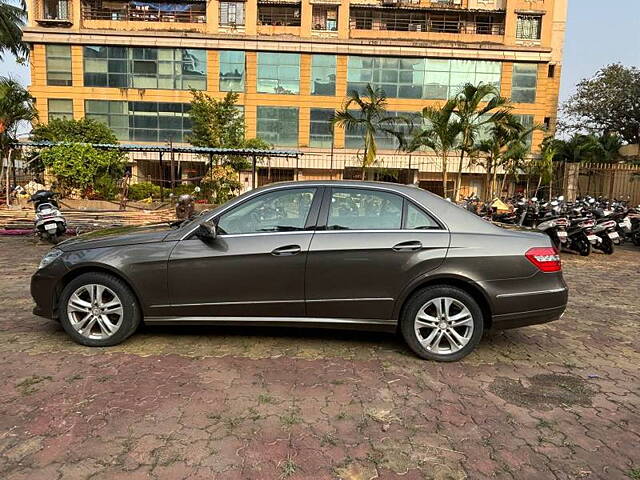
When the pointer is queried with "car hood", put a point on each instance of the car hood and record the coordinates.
(117, 236)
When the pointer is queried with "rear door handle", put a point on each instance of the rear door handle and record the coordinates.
(410, 246)
(286, 250)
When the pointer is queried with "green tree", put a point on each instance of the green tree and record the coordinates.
(12, 20)
(85, 130)
(17, 108)
(545, 164)
(440, 132)
(369, 117)
(221, 124)
(503, 144)
(75, 163)
(476, 108)
(82, 167)
(606, 103)
(581, 148)
(216, 123)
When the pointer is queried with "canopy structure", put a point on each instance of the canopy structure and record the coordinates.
(251, 153)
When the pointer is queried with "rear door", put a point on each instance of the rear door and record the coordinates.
(369, 244)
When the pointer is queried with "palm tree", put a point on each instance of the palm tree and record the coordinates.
(504, 144)
(440, 132)
(371, 118)
(11, 22)
(476, 107)
(16, 107)
(545, 165)
(515, 159)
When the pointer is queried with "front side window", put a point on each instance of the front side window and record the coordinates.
(279, 211)
(232, 66)
(279, 73)
(529, 27)
(278, 125)
(58, 64)
(355, 209)
(524, 82)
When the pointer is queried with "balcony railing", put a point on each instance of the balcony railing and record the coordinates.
(138, 11)
(421, 21)
(285, 16)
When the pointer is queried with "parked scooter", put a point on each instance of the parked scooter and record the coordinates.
(50, 224)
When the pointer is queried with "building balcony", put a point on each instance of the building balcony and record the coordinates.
(279, 18)
(368, 22)
(54, 13)
(144, 12)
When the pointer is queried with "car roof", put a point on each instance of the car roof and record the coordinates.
(451, 215)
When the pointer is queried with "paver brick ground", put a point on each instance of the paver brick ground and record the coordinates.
(556, 401)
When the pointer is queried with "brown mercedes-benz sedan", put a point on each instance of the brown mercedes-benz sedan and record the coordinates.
(322, 254)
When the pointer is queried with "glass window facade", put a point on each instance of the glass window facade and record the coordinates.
(58, 59)
(142, 121)
(60, 108)
(524, 82)
(154, 68)
(232, 70)
(279, 73)
(419, 78)
(320, 132)
(323, 75)
(278, 125)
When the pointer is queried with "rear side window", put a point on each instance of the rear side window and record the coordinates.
(416, 219)
(354, 209)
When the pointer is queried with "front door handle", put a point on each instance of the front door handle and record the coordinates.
(410, 246)
(286, 250)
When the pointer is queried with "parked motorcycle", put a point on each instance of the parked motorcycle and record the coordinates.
(49, 223)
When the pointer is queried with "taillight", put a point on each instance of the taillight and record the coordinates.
(547, 259)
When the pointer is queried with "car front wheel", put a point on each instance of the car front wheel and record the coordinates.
(442, 323)
(98, 310)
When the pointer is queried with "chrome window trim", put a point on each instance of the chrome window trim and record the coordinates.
(383, 231)
(320, 185)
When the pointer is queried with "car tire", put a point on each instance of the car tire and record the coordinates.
(425, 302)
(111, 325)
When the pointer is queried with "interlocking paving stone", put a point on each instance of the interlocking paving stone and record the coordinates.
(557, 401)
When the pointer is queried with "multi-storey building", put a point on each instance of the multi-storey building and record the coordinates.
(131, 63)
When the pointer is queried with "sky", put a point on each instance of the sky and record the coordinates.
(599, 32)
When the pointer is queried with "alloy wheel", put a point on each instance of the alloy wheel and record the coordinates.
(443, 325)
(95, 311)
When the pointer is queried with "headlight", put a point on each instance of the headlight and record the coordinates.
(49, 257)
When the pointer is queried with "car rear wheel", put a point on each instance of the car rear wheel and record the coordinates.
(98, 310)
(442, 323)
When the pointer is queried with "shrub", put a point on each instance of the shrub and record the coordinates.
(143, 190)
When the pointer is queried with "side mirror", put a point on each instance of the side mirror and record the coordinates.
(207, 232)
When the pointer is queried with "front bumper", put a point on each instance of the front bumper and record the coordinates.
(44, 290)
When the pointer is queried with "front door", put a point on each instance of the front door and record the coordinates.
(256, 265)
(369, 245)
